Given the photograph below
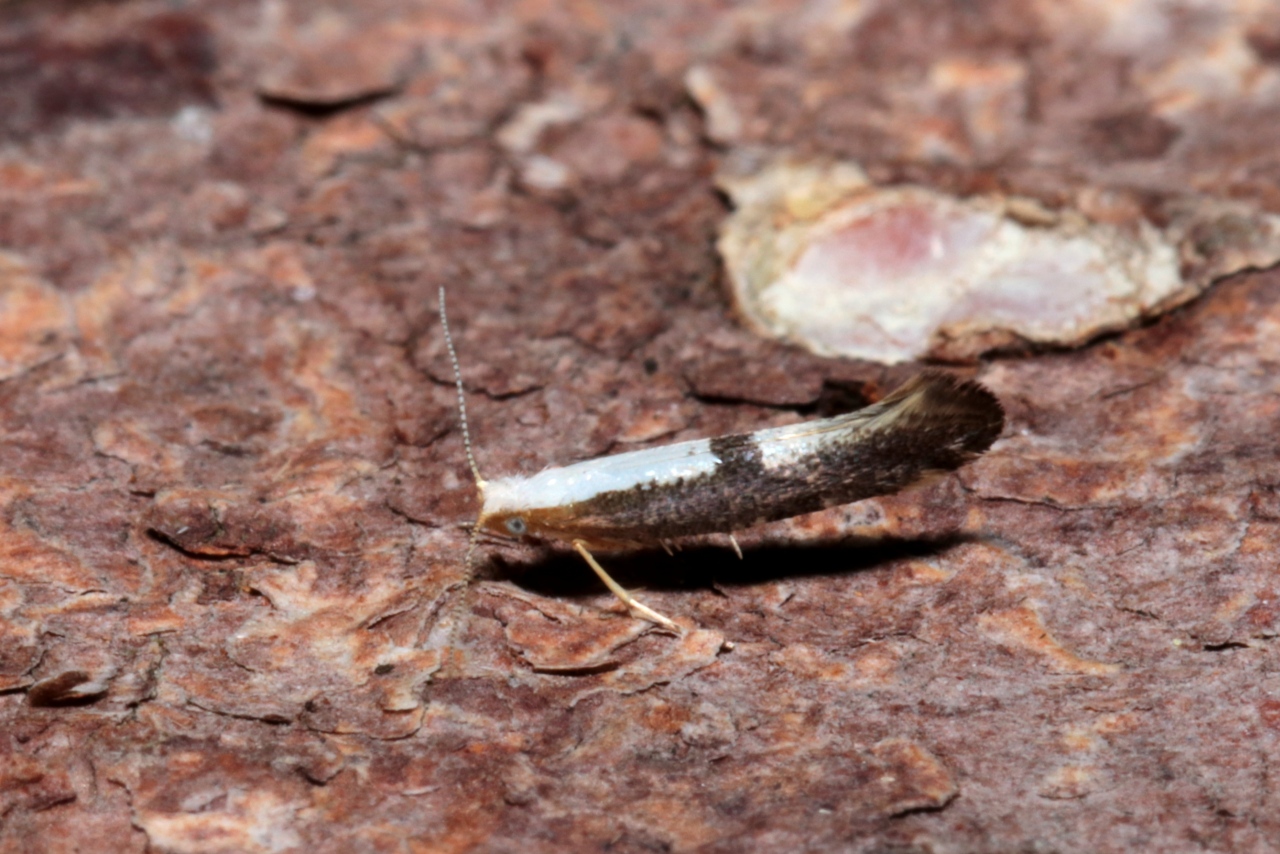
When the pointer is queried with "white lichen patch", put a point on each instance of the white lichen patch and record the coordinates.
(819, 256)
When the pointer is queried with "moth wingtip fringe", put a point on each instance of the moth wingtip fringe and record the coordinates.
(944, 398)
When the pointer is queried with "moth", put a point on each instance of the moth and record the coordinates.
(931, 425)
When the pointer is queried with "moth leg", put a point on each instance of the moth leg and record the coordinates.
(737, 549)
(666, 547)
(626, 598)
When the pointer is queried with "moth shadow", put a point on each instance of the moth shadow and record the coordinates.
(702, 566)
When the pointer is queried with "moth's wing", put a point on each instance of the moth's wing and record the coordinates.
(562, 486)
(935, 407)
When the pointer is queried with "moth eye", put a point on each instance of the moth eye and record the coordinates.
(517, 526)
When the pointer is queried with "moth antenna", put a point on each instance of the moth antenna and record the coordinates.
(471, 548)
(462, 404)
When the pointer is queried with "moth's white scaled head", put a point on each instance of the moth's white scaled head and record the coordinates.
(503, 507)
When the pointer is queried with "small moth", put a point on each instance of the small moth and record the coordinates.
(931, 425)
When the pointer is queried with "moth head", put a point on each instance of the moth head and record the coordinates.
(503, 513)
(507, 510)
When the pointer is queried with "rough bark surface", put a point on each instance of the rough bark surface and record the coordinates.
(233, 496)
